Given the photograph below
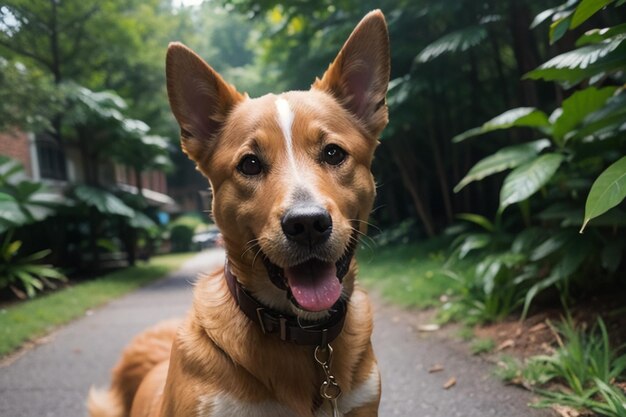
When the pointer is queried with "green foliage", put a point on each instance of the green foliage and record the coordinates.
(585, 364)
(479, 346)
(460, 40)
(24, 271)
(105, 202)
(28, 99)
(506, 158)
(586, 9)
(608, 190)
(527, 179)
(22, 201)
(182, 230)
(583, 137)
(519, 117)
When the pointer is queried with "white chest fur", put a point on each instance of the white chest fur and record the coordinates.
(225, 405)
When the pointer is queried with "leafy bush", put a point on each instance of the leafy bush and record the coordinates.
(24, 271)
(23, 202)
(182, 230)
(581, 140)
(585, 363)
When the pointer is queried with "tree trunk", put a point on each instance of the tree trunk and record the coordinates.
(410, 184)
(524, 47)
(138, 181)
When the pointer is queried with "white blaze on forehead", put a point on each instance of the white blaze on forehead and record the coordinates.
(285, 121)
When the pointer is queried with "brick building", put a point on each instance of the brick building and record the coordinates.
(44, 159)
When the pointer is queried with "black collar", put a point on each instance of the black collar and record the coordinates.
(287, 327)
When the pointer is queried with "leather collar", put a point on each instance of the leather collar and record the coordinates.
(288, 328)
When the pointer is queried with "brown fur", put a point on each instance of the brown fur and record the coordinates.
(218, 350)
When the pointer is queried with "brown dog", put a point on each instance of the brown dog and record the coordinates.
(292, 189)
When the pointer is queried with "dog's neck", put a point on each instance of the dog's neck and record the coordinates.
(288, 328)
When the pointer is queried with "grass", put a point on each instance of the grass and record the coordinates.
(479, 346)
(584, 372)
(34, 318)
(409, 275)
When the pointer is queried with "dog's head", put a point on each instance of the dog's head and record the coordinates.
(290, 173)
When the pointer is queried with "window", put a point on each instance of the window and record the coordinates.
(51, 158)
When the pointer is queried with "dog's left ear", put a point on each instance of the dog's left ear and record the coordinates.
(359, 75)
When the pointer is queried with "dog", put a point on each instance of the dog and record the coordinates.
(282, 330)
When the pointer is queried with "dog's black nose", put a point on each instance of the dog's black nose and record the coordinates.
(307, 224)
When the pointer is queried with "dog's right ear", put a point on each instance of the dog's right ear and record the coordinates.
(199, 98)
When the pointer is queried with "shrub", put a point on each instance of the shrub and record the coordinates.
(182, 230)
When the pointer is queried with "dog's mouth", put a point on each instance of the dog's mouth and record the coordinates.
(314, 285)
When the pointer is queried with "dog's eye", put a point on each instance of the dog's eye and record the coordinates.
(250, 165)
(333, 155)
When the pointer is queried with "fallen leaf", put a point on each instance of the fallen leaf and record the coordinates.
(537, 327)
(431, 327)
(435, 368)
(505, 345)
(450, 383)
(565, 411)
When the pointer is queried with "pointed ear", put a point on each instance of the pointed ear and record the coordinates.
(199, 98)
(359, 75)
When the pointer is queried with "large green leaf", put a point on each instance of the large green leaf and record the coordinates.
(559, 28)
(548, 13)
(517, 117)
(598, 35)
(578, 106)
(460, 40)
(103, 201)
(607, 191)
(581, 63)
(141, 221)
(586, 9)
(506, 158)
(10, 213)
(527, 179)
(573, 256)
(611, 117)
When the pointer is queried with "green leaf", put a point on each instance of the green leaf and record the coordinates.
(586, 9)
(103, 201)
(578, 106)
(535, 289)
(141, 221)
(517, 117)
(554, 11)
(505, 158)
(481, 221)
(527, 179)
(559, 28)
(551, 245)
(598, 35)
(460, 40)
(608, 190)
(11, 214)
(611, 117)
(581, 63)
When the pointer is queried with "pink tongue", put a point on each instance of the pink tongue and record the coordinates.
(314, 284)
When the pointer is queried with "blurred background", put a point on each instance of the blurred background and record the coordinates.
(506, 135)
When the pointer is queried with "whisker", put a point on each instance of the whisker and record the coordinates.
(367, 223)
(255, 256)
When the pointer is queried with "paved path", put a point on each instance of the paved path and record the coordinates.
(52, 379)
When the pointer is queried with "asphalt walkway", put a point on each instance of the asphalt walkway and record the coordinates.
(52, 379)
